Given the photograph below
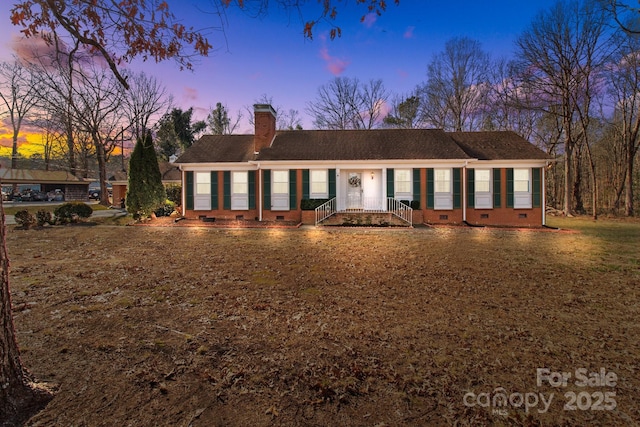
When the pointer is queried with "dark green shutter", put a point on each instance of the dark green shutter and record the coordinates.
(305, 184)
(214, 190)
(471, 188)
(226, 188)
(293, 197)
(252, 189)
(189, 190)
(266, 196)
(390, 186)
(509, 187)
(535, 174)
(457, 188)
(416, 184)
(332, 183)
(430, 187)
(497, 196)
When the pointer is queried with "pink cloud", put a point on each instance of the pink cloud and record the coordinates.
(190, 94)
(402, 73)
(336, 66)
(369, 19)
(408, 33)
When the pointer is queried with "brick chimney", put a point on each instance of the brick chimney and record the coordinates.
(265, 123)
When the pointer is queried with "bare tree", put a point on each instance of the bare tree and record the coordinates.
(345, 103)
(457, 85)
(220, 123)
(19, 92)
(145, 100)
(624, 87)
(553, 55)
(285, 119)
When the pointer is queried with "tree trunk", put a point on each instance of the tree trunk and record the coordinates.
(102, 171)
(20, 399)
(628, 196)
(567, 179)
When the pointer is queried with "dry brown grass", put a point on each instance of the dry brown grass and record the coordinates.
(203, 326)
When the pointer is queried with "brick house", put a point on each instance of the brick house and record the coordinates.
(411, 175)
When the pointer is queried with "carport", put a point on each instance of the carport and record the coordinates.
(74, 188)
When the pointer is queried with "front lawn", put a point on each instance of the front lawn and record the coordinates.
(431, 326)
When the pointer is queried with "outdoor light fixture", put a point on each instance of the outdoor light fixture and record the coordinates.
(372, 174)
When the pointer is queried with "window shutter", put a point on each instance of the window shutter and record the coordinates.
(497, 202)
(332, 183)
(390, 186)
(293, 197)
(252, 189)
(189, 190)
(509, 187)
(416, 184)
(226, 188)
(430, 188)
(214, 189)
(266, 196)
(471, 188)
(457, 188)
(535, 174)
(305, 184)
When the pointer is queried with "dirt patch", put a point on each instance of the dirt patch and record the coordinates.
(205, 326)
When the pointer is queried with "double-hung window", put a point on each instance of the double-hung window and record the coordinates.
(522, 188)
(443, 194)
(240, 190)
(319, 185)
(402, 184)
(202, 197)
(482, 184)
(280, 190)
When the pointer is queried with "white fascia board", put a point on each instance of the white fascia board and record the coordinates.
(481, 164)
(362, 164)
(206, 167)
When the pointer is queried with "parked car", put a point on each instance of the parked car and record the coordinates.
(94, 194)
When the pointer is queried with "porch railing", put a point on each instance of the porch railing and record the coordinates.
(366, 205)
(325, 210)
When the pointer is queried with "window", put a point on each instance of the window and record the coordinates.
(482, 188)
(443, 197)
(522, 188)
(521, 180)
(482, 180)
(240, 190)
(403, 182)
(442, 179)
(203, 182)
(319, 186)
(280, 190)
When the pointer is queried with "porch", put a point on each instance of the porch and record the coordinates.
(371, 211)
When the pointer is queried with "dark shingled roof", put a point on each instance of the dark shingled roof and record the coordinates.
(378, 144)
(498, 145)
(218, 149)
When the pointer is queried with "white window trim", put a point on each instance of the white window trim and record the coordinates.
(442, 200)
(279, 201)
(522, 199)
(239, 201)
(483, 199)
(323, 195)
(202, 200)
(402, 195)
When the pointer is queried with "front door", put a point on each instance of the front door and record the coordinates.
(354, 190)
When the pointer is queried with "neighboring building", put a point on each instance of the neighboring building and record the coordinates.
(171, 175)
(62, 183)
(489, 178)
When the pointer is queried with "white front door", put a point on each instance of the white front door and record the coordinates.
(354, 190)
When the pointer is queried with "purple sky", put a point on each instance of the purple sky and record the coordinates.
(270, 56)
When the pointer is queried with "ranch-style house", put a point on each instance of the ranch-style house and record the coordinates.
(390, 176)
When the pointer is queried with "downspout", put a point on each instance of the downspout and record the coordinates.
(544, 195)
(183, 195)
(464, 193)
(259, 192)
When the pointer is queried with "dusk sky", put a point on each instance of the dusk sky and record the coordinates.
(270, 55)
